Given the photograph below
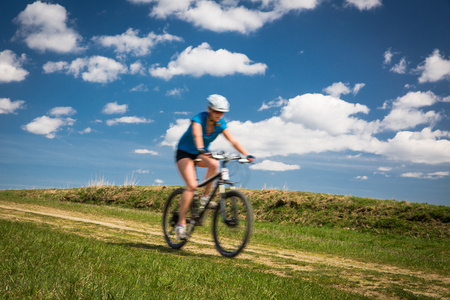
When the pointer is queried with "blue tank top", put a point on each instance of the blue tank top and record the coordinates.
(187, 143)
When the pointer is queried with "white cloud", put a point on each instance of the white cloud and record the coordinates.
(137, 68)
(315, 123)
(44, 27)
(388, 57)
(384, 169)
(128, 120)
(52, 67)
(142, 171)
(269, 165)
(87, 130)
(426, 146)
(166, 8)
(332, 115)
(140, 88)
(400, 68)
(405, 113)
(212, 16)
(288, 5)
(434, 68)
(358, 87)
(62, 111)
(227, 15)
(9, 107)
(275, 136)
(308, 123)
(421, 175)
(364, 4)
(416, 100)
(159, 181)
(413, 174)
(130, 42)
(438, 175)
(114, 108)
(279, 102)
(339, 88)
(362, 177)
(11, 67)
(47, 126)
(354, 156)
(145, 151)
(205, 61)
(98, 69)
(176, 92)
(234, 15)
(401, 118)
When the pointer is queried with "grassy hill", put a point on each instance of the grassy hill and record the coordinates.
(105, 242)
(305, 208)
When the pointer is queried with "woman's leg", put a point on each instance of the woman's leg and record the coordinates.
(187, 170)
(212, 166)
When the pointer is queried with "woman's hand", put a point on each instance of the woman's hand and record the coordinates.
(202, 151)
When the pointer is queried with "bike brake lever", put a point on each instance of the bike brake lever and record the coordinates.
(243, 160)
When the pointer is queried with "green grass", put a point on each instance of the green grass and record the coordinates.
(348, 212)
(398, 250)
(66, 259)
(39, 262)
(383, 217)
(418, 251)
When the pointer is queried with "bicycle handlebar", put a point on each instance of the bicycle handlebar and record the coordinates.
(229, 157)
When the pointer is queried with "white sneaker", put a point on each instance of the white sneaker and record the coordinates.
(211, 204)
(180, 230)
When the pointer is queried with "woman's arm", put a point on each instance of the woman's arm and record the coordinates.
(197, 133)
(234, 142)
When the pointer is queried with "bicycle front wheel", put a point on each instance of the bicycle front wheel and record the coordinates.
(232, 223)
(170, 219)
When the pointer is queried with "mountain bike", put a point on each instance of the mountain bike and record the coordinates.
(232, 219)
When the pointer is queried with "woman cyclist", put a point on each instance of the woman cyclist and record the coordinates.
(204, 129)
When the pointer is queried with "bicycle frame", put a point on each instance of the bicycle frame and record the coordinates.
(220, 183)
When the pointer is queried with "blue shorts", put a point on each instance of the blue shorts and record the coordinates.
(182, 154)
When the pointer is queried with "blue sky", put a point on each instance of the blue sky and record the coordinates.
(348, 97)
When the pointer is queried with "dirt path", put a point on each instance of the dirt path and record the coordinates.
(368, 279)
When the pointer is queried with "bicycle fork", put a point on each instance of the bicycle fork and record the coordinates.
(231, 218)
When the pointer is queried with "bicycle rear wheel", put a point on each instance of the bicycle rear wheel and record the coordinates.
(170, 219)
(232, 223)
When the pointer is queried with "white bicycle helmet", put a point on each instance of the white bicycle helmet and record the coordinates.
(218, 103)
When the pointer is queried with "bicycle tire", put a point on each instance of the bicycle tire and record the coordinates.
(233, 232)
(170, 219)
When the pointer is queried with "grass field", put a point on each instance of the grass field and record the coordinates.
(106, 243)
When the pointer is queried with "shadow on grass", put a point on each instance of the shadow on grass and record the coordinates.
(164, 249)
